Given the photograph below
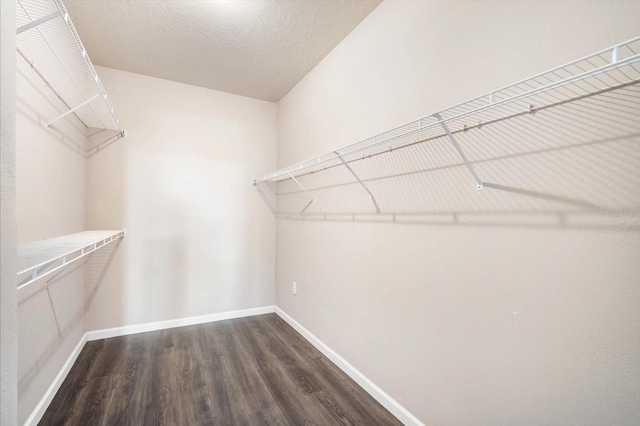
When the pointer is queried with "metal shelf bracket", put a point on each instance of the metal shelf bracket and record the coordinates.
(305, 191)
(74, 109)
(371, 197)
(479, 185)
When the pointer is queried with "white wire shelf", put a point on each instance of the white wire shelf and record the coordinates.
(49, 43)
(607, 70)
(41, 258)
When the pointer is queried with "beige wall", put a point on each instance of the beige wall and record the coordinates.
(523, 306)
(51, 167)
(199, 240)
(8, 314)
(50, 201)
(180, 183)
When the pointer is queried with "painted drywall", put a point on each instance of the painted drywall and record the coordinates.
(8, 314)
(50, 201)
(510, 310)
(198, 240)
(51, 167)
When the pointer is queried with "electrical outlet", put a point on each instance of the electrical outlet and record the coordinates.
(295, 289)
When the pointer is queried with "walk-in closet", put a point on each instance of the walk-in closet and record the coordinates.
(320, 212)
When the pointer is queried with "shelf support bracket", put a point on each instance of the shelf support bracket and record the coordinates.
(38, 22)
(453, 140)
(305, 191)
(359, 181)
(75, 108)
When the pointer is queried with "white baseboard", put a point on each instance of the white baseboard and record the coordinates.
(181, 322)
(42, 406)
(378, 394)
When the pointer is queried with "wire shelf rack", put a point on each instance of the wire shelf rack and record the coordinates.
(41, 258)
(50, 45)
(605, 71)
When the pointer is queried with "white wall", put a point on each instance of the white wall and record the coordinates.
(50, 201)
(8, 314)
(516, 314)
(199, 239)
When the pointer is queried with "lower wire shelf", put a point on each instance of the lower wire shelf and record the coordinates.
(41, 258)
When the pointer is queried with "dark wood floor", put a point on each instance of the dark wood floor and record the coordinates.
(248, 371)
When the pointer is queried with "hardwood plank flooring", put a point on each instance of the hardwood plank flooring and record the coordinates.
(247, 371)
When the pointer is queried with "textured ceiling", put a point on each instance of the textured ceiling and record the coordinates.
(253, 48)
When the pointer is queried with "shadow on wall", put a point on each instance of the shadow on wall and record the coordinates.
(571, 166)
(52, 309)
(96, 269)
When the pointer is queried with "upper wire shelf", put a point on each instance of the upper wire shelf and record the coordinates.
(601, 72)
(609, 69)
(49, 43)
